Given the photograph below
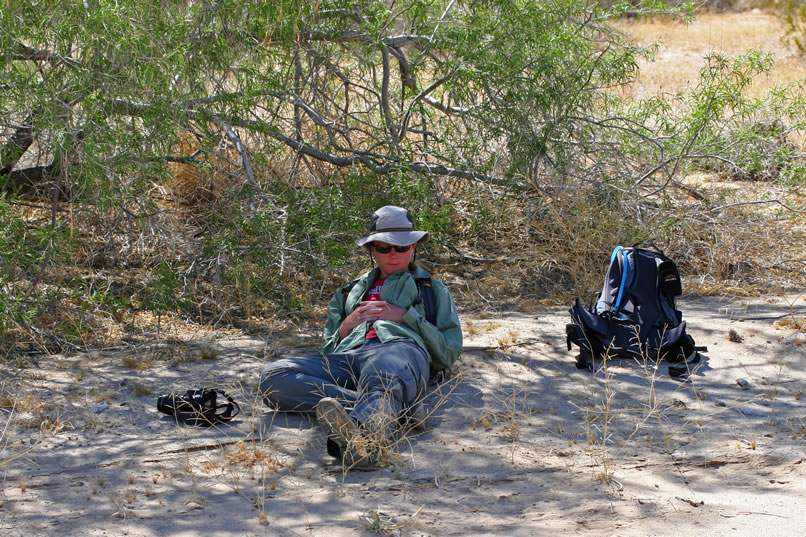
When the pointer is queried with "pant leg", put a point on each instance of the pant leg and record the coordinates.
(391, 376)
(299, 383)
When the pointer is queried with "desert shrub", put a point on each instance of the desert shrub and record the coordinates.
(759, 151)
(293, 252)
(221, 181)
(715, 126)
(12, 231)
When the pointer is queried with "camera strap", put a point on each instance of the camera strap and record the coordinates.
(201, 407)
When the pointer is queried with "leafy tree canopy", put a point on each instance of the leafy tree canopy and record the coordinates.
(106, 91)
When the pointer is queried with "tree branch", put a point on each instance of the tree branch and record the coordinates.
(386, 165)
(247, 164)
(22, 52)
(358, 36)
(385, 105)
(759, 202)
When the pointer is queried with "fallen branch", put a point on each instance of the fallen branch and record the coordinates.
(692, 503)
(758, 202)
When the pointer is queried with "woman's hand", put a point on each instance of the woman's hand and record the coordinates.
(370, 311)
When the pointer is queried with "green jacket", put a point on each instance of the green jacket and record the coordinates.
(442, 343)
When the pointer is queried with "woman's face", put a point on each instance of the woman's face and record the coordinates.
(392, 261)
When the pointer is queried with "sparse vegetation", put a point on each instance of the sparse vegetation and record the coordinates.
(218, 220)
(385, 524)
(172, 210)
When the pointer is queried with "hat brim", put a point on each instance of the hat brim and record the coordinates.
(395, 238)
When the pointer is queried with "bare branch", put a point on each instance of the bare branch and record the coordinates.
(22, 52)
(758, 202)
(406, 75)
(27, 180)
(385, 105)
(357, 36)
(247, 164)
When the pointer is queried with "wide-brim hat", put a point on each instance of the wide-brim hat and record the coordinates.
(393, 225)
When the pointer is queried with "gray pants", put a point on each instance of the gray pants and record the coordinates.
(377, 380)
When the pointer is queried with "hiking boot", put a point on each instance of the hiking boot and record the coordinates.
(343, 437)
(338, 426)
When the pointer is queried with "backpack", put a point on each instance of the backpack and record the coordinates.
(635, 315)
(199, 406)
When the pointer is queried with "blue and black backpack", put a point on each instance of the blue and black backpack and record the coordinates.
(635, 315)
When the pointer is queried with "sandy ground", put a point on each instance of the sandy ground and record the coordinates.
(522, 444)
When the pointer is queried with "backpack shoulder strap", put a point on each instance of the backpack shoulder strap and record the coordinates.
(625, 275)
(425, 294)
(346, 291)
(349, 287)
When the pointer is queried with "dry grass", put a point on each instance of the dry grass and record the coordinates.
(529, 259)
(683, 47)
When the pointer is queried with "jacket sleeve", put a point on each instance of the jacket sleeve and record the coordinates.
(443, 341)
(335, 315)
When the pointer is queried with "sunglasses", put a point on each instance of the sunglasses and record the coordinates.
(386, 248)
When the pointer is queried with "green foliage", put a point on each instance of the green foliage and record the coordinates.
(263, 133)
(12, 233)
(793, 175)
(165, 293)
(743, 137)
(15, 311)
(648, 144)
(111, 87)
(312, 231)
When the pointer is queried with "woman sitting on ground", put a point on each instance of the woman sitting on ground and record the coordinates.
(378, 348)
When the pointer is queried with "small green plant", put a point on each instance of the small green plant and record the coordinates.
(164, 293)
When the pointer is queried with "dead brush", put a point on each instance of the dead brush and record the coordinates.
(565, 241)
(10, 450)
(598, 422)
(205, 175)
(140, 390)
(382, 523)
(797, 427)
(734, 248)
(792, 321)
(722, 242)
(30, 411)
(139, 361)
(249, 454)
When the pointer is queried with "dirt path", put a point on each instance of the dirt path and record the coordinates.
(523, 444)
